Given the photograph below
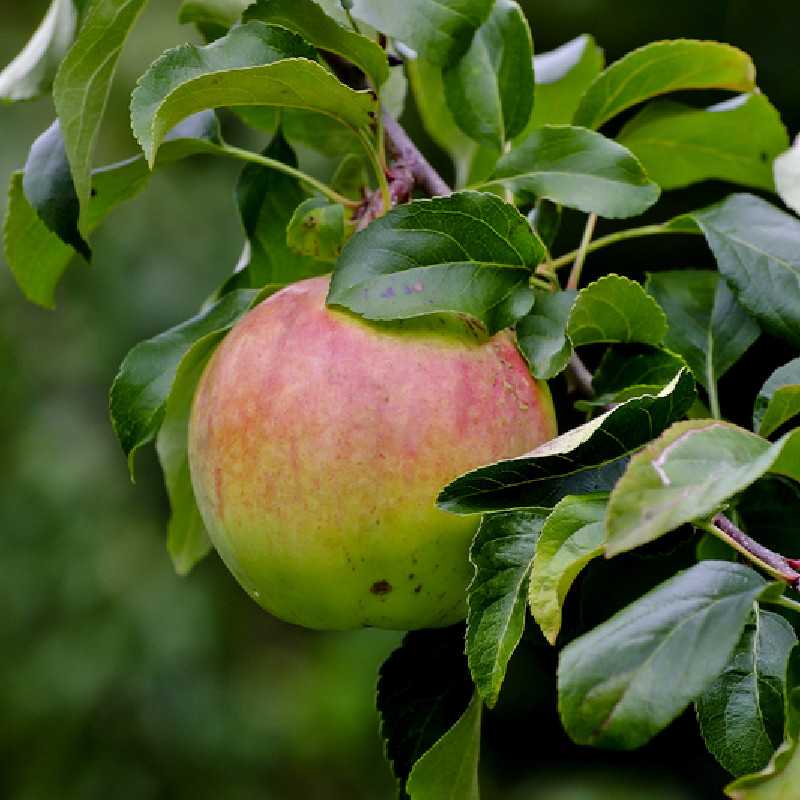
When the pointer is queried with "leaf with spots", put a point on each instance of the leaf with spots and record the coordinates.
(589, 458)
(469, 253)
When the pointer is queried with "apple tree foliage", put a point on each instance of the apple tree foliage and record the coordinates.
(532, 138)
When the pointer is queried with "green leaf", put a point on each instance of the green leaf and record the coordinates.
(222, 13)
(312, 23)
(778, 400)
(472, 162)
(501, 553)
(757, 248)
(31, 73)
(545, 219)
(589, 458)
(768, 510)
(147, 374)
(489, 90)
(707, 326)
(254, 65)
(787, 176)
(663, 67)
(542, 334)
(571, 537)
(733, 141)
(187, 539)
(49, 189)
(562, 76)
(83, 83)
(450, 768)
(317, 229)
(615, 309)
(267, 201)
(577, 168)
(469, 253)
(424, 689)
(627, 679)
(37, 257)
(687, 474)
(777, 782)
(631, 371)
(439, 30)
(741, 713)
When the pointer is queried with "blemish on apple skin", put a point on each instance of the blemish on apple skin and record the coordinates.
(381, 587)
(418, 589)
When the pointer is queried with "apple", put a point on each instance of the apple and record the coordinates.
(318, 443)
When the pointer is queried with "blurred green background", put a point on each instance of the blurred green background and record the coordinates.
(119, 678)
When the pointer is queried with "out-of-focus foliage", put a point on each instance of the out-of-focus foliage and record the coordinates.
(119, 679)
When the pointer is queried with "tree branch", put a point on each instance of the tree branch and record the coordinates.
(425, 176)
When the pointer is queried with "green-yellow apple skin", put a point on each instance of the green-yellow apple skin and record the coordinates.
(319, 442)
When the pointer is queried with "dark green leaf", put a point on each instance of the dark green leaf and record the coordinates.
(317, 229)
(741, 713)
(469, 253)
(489, 90)
(663, 67)
(542, 334)
(501, 554)
(37, 257)
(777, 782)
(267, 200)
(778, 400)
(473, 163)
(439, 30)
(222, 13)
(615, 309)
(687, 474)
(562, 76)
(577, 168)
(83, 83)
(187, 539)
(707, 326)
(312, 23)
(424, 688)
(545, 219)
(769, 510)
(626, 372)
(31, 73)
(146, 377)
(757, 248)
(589, 458)
(627, 679)
(571, 537)
(48, 187)
(254, 65)
(450, 768)
(733, 141)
